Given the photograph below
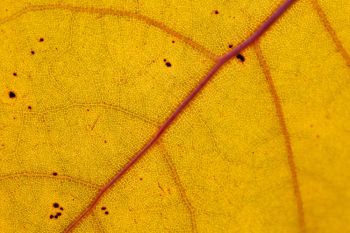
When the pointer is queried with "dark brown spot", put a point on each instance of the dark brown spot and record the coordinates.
(32, 52)
(168, 64)
(240, 57)
(51, 216)
(41, 40)
(14, 74)
(61, 208)
(173, 41)
(59, 214)
(230, 45)
(103, 208)
(141, 178)
(56, 205)
(12, 94)
(106, 212)
(216, 12)
(29, 107)
(54, 173)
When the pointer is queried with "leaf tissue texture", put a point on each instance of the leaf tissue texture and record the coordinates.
(174, 116)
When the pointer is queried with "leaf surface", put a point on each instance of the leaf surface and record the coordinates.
(105, 125)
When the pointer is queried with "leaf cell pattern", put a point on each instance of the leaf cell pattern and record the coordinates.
(114, 129)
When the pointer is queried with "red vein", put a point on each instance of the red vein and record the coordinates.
(282, 122)
(180, 187)
(50, 176)
(121, 13)
(180, 109)
(326, 24)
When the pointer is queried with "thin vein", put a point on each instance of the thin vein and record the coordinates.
(180, 187)
(287, 141)
(331, 32)
(121, 13)
(49, 176)
(178, 111)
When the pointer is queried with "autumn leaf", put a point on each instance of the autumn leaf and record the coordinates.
(174, 116)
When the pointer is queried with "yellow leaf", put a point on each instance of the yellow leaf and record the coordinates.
(174, 116)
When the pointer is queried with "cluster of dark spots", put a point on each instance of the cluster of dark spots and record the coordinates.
(41, 39)
(57, 214)
(167, 63)
(12, 94)
(104, 208)
(240, 57)
(216, 12)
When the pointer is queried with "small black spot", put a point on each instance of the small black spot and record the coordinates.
(41, 39)
(56, 205)
(168, 64)
(29, 107)
(240, 57)
(173, 41)
(54, 173)
(59, 214)
(61, 208)
(14, 74)
(103, 208)
(230, 45)
(32, 52)
(106, 212)
(51, 216)
(141, 178)
(216, 12)
(56, 216)
(12, 94)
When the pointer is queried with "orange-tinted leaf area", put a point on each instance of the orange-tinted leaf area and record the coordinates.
(175, 116)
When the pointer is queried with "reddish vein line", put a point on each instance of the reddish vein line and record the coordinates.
(180, 109)
(283, 125)
(326, 24)
(121, 13)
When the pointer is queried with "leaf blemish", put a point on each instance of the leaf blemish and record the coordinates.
(167, 63)
(14, 74)
(32, 52)
(240, 57)
(216, 12)
(41, 39)
(54, 173)
(12, 94)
